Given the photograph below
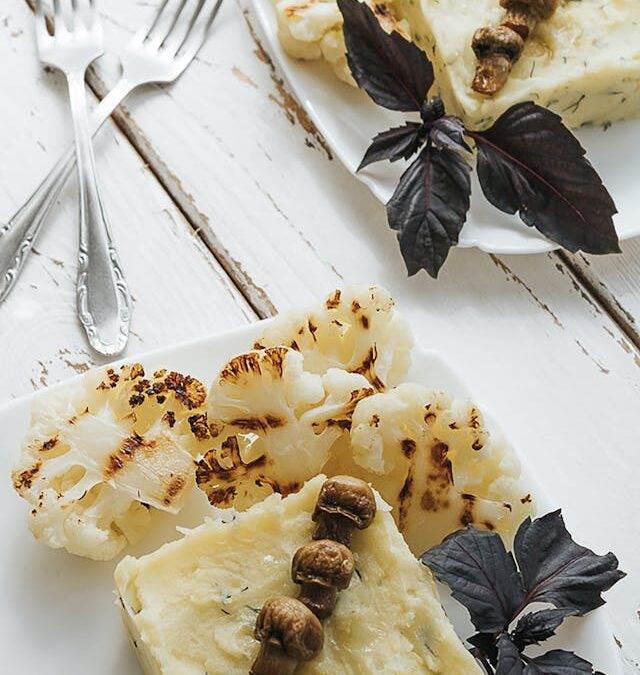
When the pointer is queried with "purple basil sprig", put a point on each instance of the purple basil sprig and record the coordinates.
(498, 589)
(528, 162)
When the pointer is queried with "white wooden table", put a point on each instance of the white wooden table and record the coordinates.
(227, 206)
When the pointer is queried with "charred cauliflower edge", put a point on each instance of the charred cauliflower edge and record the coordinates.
(100, 453)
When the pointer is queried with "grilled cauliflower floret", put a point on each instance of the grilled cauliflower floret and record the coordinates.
(334, 52)
(272, 425)
(103, 450)
(312, 29)
(302, 26)
(433, 460)
(356, 329)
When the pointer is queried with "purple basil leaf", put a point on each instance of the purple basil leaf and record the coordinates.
(394, 144)
(558, 662)
(538, 626)
(393, 71)
(509, 661)
(481, 574)
(429, 207)
(557, 570)
(529, 162)
(448, 133)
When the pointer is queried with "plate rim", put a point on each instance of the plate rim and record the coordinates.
(534, 245)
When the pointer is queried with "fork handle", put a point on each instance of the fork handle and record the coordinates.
(19, 234)
(102, 295)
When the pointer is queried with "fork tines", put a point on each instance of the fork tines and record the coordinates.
(180, 26)
(67, 16)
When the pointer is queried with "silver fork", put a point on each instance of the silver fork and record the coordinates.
(159, 53)
(102, 295)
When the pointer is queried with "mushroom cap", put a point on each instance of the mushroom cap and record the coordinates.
(541, 9)
(288, 623)
(323, 562)
(349, 497)
(497, 40)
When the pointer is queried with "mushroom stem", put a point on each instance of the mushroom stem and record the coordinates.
(333, 526)
(492, 73)
(320, 599)
(272, 660)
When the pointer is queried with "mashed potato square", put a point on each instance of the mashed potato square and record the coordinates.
(583, 63)
(191, 606)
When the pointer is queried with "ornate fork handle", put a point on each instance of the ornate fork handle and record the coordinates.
(19, 234)
(104, 303)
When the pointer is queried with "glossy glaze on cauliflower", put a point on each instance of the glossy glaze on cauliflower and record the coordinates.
(272, 425)
(312, 29)
(433, 459)
(356, 329)
(101, 451)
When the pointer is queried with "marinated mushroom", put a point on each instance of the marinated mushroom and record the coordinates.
(498, 48)
(344, 502)
(322, 568)
(289, 633)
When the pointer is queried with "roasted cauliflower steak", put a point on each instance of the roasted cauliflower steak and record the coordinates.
(357, 329)
(104, 450)
(272, 425)
(312, 30)
(434, 461)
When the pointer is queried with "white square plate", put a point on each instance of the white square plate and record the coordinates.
(57, 612)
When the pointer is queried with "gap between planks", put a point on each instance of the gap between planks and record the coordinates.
(595, 286)
(255, 296)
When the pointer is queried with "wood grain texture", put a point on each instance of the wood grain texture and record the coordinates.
(178, 289)
(243, 164)
(615, 281)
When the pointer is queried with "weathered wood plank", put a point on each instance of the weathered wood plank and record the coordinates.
(615, 281)
(179, 290)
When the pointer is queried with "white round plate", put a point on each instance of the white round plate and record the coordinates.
(58, 614)
(348, 120)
